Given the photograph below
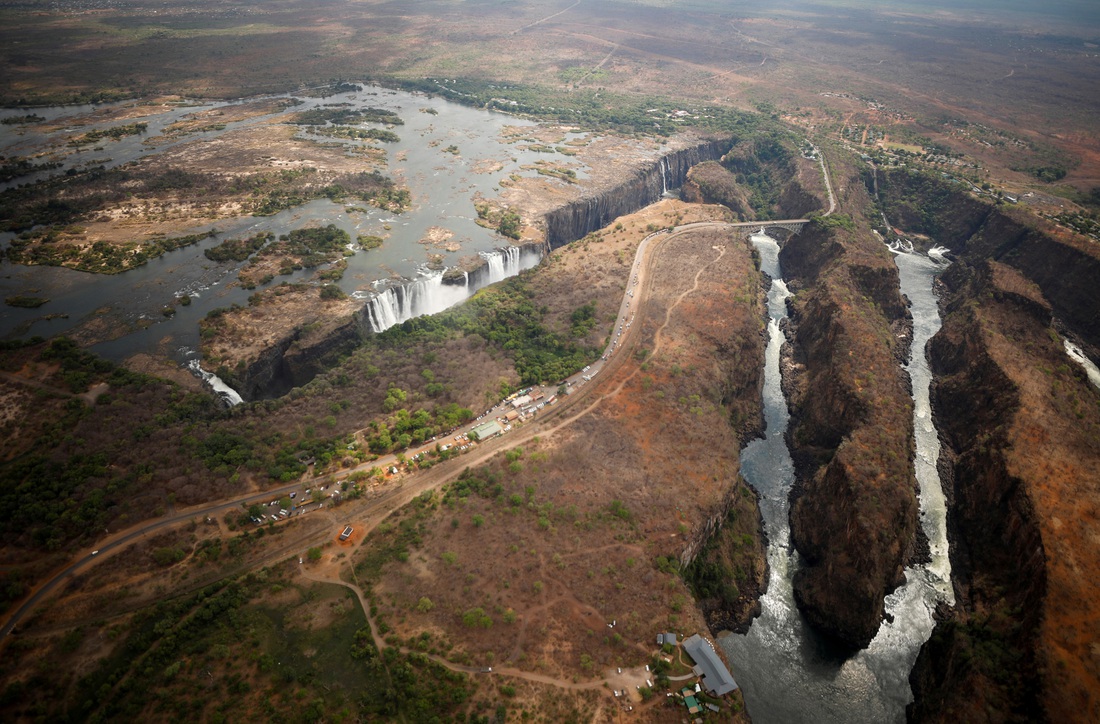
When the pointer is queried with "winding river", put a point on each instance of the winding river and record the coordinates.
(786, 671)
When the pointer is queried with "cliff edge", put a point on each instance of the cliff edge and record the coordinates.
(854, 513)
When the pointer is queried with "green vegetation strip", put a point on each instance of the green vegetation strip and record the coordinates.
(592, 109)
(506, 315)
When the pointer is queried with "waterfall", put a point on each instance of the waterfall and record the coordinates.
(428, 295)
(224, 391)
(431, 295)
(573, 220)
(502, 263)
(1077, 355)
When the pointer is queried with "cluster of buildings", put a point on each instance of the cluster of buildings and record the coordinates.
(714, 678)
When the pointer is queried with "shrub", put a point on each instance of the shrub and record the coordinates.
(477, 618)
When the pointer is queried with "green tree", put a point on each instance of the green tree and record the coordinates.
(476, 618)
(331, 292)
(509, 224)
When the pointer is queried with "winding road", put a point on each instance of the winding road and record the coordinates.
(371, 510)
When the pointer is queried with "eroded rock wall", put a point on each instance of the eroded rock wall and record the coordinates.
(980, 664)
(595, 211)
(292, 361)
(1066, 266)
(854, 513)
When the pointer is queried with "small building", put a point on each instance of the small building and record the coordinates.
(716, 678)
(666, 638)
(521, 401)
(511, 416)
(347, 533)
(488, 429)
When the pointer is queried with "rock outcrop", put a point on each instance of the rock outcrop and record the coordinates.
(854, 513)
(762, 177)
(1021, 461)
(286, 336)
(712, 183)
(293, 360)
(595, 211)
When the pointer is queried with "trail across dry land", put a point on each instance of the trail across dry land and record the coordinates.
(377, 506)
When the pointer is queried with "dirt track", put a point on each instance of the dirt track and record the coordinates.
(374, 508)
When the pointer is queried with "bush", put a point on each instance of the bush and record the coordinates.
(510, 225)
(167, 556)
(477, 618)
(330, 292)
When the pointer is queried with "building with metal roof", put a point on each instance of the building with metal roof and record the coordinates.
(716, 678)
(488, 429)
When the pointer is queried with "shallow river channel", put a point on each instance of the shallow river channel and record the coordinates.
(447, 154)
(786, 671)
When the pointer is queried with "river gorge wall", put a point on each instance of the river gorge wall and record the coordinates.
(308, 336)
(1021, 431)
(645, 186)
(854, 512)
(1064, 265)
(982, 660)
(293, 359)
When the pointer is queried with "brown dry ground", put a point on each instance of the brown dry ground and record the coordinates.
(1056, 453)
(904, 70)
(669, 457)
(548, 550)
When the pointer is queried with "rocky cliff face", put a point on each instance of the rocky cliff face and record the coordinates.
(712, 183)
(760, 178)
(854, 514)
(980, 664)
(1020, 426)
(1064, 265)
(595, 211)
(292, 361)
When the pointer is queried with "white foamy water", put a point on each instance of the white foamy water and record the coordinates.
(223, 390)
(431, 294)
(1077, 355)
(786, 671)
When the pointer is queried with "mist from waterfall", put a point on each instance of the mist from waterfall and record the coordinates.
(434, 292)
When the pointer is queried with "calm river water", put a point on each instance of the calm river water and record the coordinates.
(442, 184)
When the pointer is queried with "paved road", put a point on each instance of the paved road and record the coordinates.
(378, 507)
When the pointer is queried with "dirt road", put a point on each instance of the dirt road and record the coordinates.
(374, 508)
